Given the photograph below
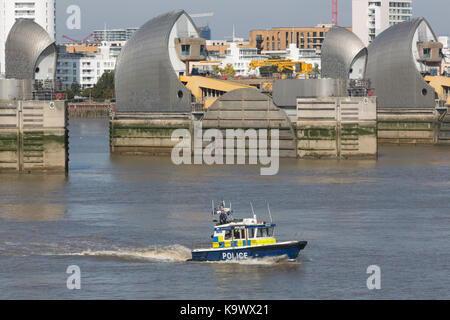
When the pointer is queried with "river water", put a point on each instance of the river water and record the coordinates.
(128, 224)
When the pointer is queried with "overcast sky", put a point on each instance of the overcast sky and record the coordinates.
(244, 14)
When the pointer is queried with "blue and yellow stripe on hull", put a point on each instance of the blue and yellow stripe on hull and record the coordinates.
(241, 243)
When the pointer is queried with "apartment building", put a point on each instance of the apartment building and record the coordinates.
(370, 18)
(86, 68)
(281, 38)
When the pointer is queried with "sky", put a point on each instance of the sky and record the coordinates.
(244, 14)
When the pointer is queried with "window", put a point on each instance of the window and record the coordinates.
(265, 232)
(185, 49)
(228, 235)
(239, 234)
(262, 232)
(251, 233)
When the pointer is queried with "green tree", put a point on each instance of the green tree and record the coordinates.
(316, 69)
(227, 71)
(69, 94)
(103, 89)
(87, 93)
(76, 88)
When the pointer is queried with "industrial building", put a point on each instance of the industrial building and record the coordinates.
(41, 12)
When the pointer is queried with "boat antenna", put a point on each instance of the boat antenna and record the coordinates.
(270, 214)
(212, 207)
(254, 215)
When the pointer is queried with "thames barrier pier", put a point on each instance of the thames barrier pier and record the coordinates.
(33, 136)
(365, 96)
(146, 133)
(33, 124)
(341, 128)
(407, 108)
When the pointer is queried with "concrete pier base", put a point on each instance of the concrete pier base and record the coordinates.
(408, 126)
(444, 128)
(328, 127)
(146, 133)
(33, 136)
(340, 128)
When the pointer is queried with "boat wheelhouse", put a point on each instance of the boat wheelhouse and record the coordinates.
(240, 233)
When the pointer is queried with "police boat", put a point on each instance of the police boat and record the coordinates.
(241, 239)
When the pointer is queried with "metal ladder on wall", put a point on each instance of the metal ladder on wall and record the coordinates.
(31, 143)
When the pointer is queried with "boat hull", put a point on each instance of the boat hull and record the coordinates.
(290, 249)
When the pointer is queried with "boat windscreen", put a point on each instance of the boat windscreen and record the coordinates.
(265, 232)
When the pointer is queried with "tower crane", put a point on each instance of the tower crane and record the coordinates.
(335, 12)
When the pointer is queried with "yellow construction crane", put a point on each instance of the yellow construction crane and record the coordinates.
(282, 64)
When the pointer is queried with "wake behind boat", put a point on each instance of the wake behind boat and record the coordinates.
(241, 239)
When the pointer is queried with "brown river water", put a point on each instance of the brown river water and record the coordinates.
(129, 224)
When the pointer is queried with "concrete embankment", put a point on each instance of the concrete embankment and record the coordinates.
(33, 136)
